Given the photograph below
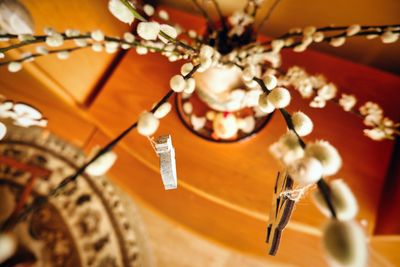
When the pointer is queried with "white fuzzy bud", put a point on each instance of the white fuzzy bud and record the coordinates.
(101, 165)
(343, 200)
(97, 35)
(190, 86)
(248, 73)
(168, 30)
(2, 55)
(270, 81)
(163, 110)
(372, 36)
(277, 45)
(163, 15)
(148, 9)
(148, 30)
(247, 124)
(147, 124)
(326, 154)
(205, 64)
(279, 97)
(126, 46)
(389, 37)
(8, 246)
(120, 11)
(300, 48)
(55, 40)
(187, 107)
(14, 66)
(111, 47)
(72, 33)
(345, 243)
(264, 104)
(287, 148)
(177, 83)
(129, 37)
(318, 37)
(80, 42)
(309, 30)
(97, 47)
(225, 126)
(338, 41)
(42, 50)
(353, 30)
(63, 55)
(186, 68)
(197, 122)
(141, 50)
(303, 125)
(192, 34)
(206, 51)
(305, 171)
(307, 40)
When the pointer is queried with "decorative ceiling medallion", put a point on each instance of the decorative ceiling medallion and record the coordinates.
(88, 224)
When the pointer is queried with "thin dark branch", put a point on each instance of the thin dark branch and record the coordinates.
(42, 38)
(204, 14)
(288, 119)
(268, 15)
(322, 185)
(38, 39)
(329, 38)
(221, 16)
(36, 55)
(326, 194)
(378, 29)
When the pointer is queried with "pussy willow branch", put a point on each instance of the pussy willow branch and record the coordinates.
(343, 28)
(36, 55)
(42, 38)
(329, 38)
(177, 42)
(378, 28)
(322, 185)
(365, 30)
(352, 111)
(38, 39)
(38, 202)
(138, 16)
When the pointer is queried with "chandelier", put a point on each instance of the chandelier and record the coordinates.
(230, 83)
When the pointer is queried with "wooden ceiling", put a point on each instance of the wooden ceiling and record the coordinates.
(224, 190)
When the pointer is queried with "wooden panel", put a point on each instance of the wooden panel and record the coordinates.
(65, 120)
(78, 75)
